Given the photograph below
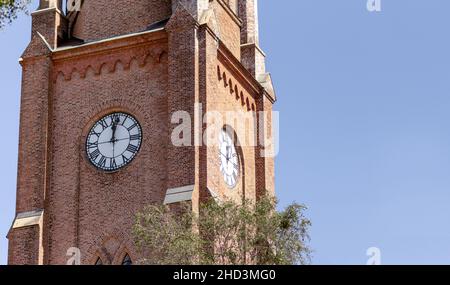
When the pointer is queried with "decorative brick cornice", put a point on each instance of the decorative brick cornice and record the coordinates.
(235, 90)
(108, 63)
(230, 61)
(241, 73)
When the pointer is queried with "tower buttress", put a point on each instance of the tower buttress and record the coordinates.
(253, 58)
(194, 7)
(44, 4)
(49, 22)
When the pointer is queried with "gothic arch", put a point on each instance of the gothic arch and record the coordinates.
(111, 248)
(122, 253)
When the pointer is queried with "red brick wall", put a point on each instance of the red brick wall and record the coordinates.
(100, 19)
(229, 28)
(23, 246)
(182, 95)
(33, 130)
(231, 97)
(86, 207)
(265, 166)
(247, 13)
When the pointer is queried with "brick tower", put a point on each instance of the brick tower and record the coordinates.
(102, 87)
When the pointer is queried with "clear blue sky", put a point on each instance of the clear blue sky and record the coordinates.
(364, 101)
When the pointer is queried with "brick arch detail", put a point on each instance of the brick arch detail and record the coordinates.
(124, 246)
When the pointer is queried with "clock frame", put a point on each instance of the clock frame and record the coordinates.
(113, 141)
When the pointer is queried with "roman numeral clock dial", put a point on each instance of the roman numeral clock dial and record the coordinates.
(229, 159)
(113, 141)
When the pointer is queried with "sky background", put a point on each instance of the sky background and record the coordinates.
(364, 102)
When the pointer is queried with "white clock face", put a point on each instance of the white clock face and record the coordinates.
(114, 141)
(229, 159)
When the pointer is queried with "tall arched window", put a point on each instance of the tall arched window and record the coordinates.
(127, 260)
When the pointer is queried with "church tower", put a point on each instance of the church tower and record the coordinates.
(126, 103)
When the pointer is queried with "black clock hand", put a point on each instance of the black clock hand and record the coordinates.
(116, 140)
(114, 128)
(228, 152)
(113, 137)
(226, 157)
(114, 146)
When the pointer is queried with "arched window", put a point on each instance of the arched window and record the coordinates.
(127, 260)
(99, 261)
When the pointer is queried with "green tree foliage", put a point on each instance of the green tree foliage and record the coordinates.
(225, 233)
(9, 10)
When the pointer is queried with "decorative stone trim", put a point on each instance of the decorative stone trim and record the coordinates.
(180, 194)
(27, 219)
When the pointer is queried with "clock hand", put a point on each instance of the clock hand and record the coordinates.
(228, 152)
(114, 147)
(116, 140)
(113, 137)
(115, 122)
(225, 156)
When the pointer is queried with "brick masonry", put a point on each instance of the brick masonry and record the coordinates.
(195, 59)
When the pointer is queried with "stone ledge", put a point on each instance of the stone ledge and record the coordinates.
(180, 194)
(26, 219)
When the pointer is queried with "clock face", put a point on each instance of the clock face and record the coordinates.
(113, 141)
(229, 159)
